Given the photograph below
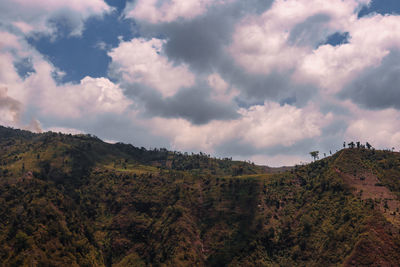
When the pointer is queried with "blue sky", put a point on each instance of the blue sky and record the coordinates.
(261, 80)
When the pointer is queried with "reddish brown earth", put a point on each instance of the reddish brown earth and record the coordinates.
(367, 186)
(380, 244)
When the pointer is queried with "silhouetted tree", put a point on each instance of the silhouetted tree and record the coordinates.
(368, 145)
(314, 154)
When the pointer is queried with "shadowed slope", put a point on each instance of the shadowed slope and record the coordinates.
(77, 201)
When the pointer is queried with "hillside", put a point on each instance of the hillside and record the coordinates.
(77, 201)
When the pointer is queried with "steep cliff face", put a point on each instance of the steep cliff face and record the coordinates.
(77, 201)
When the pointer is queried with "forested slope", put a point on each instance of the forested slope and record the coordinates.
(77, 201)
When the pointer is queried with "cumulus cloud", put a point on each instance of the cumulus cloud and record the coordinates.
(377, 87)
(41, 90)
(222, 91)
(309, 32)
(201, 44)
(142, 61)
(194, 105)
(261, 126)
(332, 67)
(92, 96)
(8, 41)
(11, 49)
(379, 128)
(250, 79)
(285, 40)
(10, 109)
(201, 41)
(280, 37)
(155, 11)
(35, 15)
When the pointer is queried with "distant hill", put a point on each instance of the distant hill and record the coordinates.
(74, 200)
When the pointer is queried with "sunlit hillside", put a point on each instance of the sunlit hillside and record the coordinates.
(74, 200)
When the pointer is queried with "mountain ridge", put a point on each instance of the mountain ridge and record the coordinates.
(77, 201)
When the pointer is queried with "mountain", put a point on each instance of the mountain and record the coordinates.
(74, 200)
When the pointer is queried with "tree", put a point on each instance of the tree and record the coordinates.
(344, 144)
(368, 145)
(351, 145)
(314, 154)
(358, 144)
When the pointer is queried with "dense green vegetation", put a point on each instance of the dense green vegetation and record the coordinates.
(77, 201)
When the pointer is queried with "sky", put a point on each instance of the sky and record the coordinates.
(260, 80)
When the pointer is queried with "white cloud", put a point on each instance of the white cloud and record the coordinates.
(260, 126)
(29, 15)
(262, 44)
(24, 27)
(10, 50)
(95, 95)
(372, 38)
(155, 11)
(92, 96)
(40, 90)
(222, 91)
(10, 109)
(87, 6)
(8, 41)
(379, 128)
(142, 61)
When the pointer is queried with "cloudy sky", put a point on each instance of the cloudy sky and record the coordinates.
(261, 80)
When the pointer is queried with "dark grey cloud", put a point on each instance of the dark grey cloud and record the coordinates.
(193, 104)
(327, 107)
(377, 87)
(276, 86)
(331, 136)
(201, 43)
(309, 32)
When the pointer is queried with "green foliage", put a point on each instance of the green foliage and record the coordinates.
(77, 201)
(314, 154)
